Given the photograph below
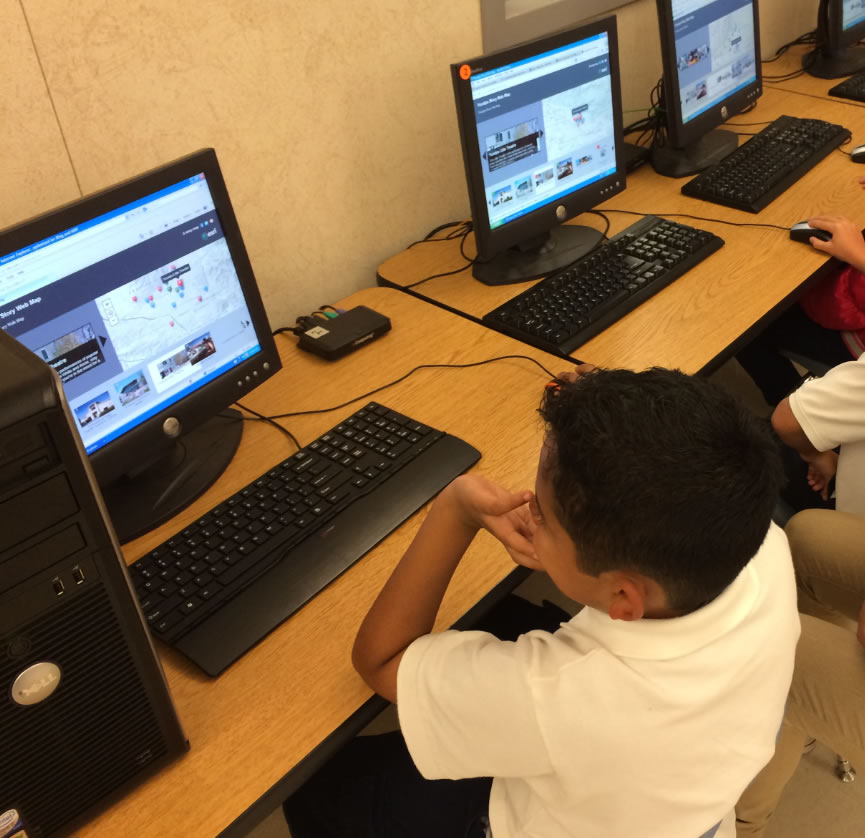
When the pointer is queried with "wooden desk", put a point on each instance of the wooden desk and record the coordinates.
(252, 729)
(700, 320)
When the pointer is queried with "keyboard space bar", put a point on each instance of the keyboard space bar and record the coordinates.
(307, 568)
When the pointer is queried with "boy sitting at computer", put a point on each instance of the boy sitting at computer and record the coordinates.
(647, 713)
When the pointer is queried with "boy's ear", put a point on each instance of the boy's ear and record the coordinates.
(628, 600)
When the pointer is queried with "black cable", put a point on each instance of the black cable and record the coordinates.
(260, 417)
(701, 218)
(452, 235)
(403, 378)
(807, 38)
(469, 262)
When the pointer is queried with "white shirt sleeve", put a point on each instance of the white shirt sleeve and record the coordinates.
(831, 409)
(466, 709)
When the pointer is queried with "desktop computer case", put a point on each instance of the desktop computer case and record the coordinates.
(85, 711)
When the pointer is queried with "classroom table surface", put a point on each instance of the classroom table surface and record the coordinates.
(253, 728)
(702, 318)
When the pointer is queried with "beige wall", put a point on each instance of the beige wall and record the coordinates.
(334, 121)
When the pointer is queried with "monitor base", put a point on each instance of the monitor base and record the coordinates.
(159, 489)
(699, 155)
(539, 258)
(835, 64)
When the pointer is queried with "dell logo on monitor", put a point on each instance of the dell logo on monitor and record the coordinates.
(36, 683)
(724, 112)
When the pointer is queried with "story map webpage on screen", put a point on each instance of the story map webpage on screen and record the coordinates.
(133, 309)
(714, 42)
(544, 127)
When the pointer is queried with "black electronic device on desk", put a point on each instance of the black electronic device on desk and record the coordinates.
(840, 28)
(142, 298)
(710, 54)
(852, 88)
(219, 586)
(768, 163)
(563, 311)
(541, 132)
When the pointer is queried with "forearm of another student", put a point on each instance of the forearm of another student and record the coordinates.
(407, 606)
(789, 430)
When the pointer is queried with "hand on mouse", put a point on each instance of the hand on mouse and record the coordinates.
(846, 243)
(579, 369)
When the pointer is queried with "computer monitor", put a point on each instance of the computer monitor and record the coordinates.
(840, 27)
(710, 53)
(143, 300)
(541, 132)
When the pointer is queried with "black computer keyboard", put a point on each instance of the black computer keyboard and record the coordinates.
(852, 88)
(759, 170)
(566, 309)
(219, 586)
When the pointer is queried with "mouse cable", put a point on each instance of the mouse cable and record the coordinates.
(403, 378)
(259, 417)
(746, 124)
(702, 218)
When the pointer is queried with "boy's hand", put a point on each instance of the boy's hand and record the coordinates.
(821, 469)
(483, 504)
(578, 370)
(846, 244)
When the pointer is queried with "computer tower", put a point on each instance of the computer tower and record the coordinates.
(85, 711)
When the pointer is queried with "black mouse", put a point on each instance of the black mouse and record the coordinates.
(801, 232)
(857, 155)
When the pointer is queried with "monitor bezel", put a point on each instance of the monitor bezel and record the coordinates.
(122, 455)
(679, 133)
(490, 242)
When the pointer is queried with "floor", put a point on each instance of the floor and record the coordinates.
(816, 804)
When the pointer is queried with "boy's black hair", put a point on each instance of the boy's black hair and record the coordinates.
(661, 473)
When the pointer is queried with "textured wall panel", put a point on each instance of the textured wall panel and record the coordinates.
(35, 173)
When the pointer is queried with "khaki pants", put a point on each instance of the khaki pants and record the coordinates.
(827, 696)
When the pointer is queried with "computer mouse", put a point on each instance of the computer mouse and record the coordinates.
(802, 232)
(857, 155)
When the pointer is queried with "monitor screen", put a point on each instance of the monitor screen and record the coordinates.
(852, 13)
(710, 52)
(545, 126)
(541, 131)
(715, 56)
(142, 300)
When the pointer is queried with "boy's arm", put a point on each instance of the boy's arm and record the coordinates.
(407, 606)
(821, 464)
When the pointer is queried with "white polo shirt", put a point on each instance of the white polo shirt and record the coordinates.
(650, 728)
(831, 412)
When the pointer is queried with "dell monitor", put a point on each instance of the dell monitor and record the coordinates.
(710, 52)
(143, 300)
(840, 27)
(541, 132)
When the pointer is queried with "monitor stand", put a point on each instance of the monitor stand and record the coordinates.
(538, 257)
(823, 63)
(158, 489)
(693, 158)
